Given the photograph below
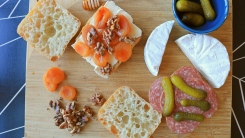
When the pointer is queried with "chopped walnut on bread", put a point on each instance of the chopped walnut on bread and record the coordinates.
(48, 28)
(107, 39)
(125, 114)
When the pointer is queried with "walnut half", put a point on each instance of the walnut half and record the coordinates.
(97, 99)
(106, 70)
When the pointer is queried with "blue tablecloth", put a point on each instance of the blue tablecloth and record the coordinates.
(12, 69)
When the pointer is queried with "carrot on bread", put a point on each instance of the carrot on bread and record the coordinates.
(110, 22)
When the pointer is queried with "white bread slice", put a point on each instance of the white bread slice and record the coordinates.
(136, 34)
(49, 28)
(126, 114)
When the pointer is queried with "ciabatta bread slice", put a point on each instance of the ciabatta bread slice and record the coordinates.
(133, 38)
(49, 28)
(127, 115)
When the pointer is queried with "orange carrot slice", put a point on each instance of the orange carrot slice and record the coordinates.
(67, 92)
(122, 51)
(100, 60)
(82, 49)
(89, 34)
(54, 75)
(101, 17)
(49, 86)
(124, 24)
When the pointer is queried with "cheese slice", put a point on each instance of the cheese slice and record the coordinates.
(155, 46)
(208, 55)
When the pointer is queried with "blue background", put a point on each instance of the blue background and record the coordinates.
(12, 69)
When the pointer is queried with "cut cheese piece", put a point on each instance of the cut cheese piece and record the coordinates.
(208, 55)
(155, 46)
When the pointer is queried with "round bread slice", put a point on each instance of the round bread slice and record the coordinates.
(126, 114)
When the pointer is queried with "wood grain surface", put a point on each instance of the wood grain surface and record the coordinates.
(147, 15)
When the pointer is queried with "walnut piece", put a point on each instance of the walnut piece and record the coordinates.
(105, 70)
(55, 105)
(112, 23)
(100, 48)
(88, 110)
(58, 119)
(91, 35)
(97, 99)
(127, 39)
(69, 118)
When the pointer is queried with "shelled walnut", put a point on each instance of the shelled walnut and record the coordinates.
(98, 99)
(88, 110)
(70, 118)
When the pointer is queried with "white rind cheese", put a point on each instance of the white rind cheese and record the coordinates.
(208, 55)
(135, 33)
(155, 46)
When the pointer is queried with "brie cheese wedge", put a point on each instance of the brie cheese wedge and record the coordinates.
(208, 55)
(155, 46)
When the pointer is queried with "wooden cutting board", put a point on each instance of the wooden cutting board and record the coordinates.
(147, 15)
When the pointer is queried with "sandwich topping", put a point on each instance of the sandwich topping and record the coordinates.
(100, 48)
(92, 34)
(109, 37)
(112, 23)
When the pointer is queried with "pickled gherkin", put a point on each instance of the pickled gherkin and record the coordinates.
(188, 6)
(183, 116)
(193, 19)
(169, 96)
(202, 104)
(179, 83)
(208, 9)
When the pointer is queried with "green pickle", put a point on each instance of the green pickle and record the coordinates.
(169, 96)
(193, 19)
(188, 6)
(208, 10)
(183, 116)
(202, 104)
(179, 83)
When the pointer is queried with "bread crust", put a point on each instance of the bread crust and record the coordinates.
(31, 20)
(136, 41)
(102, 113)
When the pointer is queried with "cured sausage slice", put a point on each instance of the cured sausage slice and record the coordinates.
(155, 93)
(192, 77)
(189, 126)
(188, 72)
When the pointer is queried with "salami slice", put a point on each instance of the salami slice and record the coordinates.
(155, 93)
(186, 72)
(196, 82)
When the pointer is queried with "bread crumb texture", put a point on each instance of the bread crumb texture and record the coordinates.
(48, 28)
(127, 115)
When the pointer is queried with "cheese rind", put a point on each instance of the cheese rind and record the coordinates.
(155, 46)
(208, 55)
